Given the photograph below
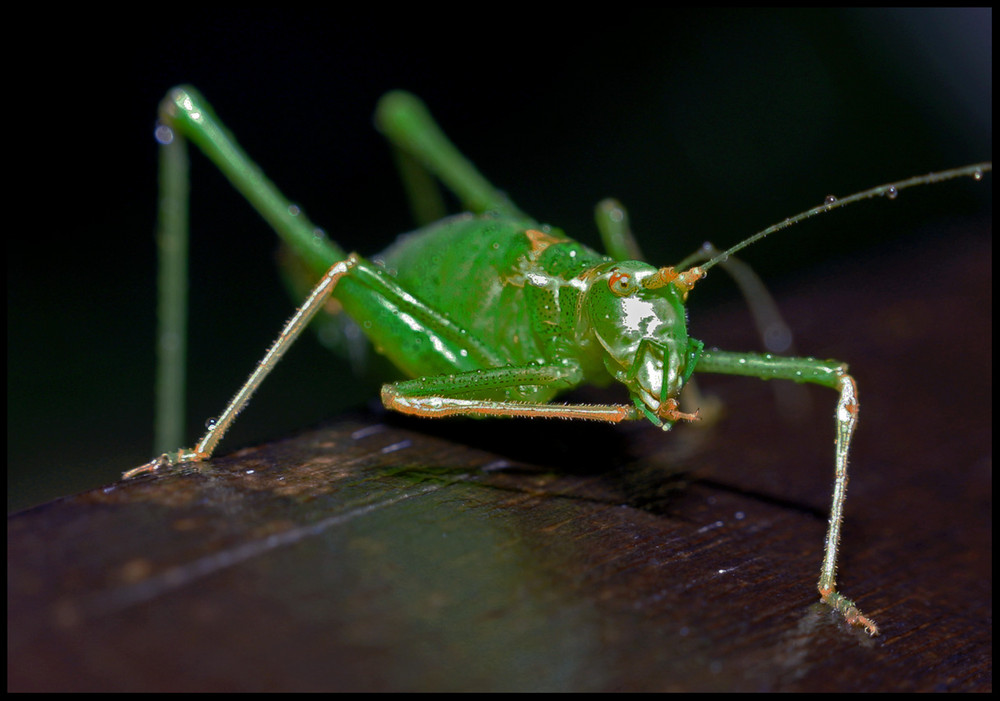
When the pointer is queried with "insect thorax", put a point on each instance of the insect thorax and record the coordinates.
(508, 281)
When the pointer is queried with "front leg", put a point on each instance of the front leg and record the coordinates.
(832, 374)
(494, 393)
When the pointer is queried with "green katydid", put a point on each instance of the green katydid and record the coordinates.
(490, 313)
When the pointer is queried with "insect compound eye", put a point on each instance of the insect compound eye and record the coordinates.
(621, 283)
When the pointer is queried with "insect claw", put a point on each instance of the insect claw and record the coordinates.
(166, 460)
(151, 466)
(846, 608)
(856, 619)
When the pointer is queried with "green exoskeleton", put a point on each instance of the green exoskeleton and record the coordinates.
(491, 313)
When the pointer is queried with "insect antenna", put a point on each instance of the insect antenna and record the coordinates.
(890, 190)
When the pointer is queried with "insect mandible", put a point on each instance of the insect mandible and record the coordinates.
(491, 313)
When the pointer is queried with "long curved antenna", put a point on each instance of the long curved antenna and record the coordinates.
(890, 190)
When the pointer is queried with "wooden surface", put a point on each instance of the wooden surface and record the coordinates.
(378, 553)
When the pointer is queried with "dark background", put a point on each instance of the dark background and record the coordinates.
(707, 125)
